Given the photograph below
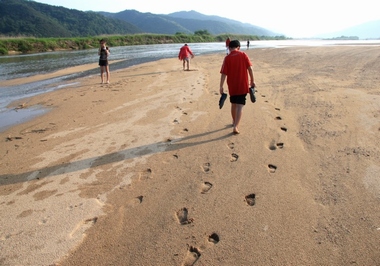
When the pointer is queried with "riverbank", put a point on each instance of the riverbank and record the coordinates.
(12, 46)
(146, 170)
(21, 80)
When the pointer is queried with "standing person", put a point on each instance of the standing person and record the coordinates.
(103, 53)
(184, 55)
(247, 44)
(228, 45)
(236, 67)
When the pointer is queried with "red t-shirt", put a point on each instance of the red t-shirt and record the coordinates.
(235, 66)
(228, 42)
(184, 52)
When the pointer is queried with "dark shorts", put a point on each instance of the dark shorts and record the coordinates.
(103, 62)
(238, 99)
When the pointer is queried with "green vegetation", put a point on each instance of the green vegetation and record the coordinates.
(29, 18)
(349, 38)
(27, 26)
(37, 45)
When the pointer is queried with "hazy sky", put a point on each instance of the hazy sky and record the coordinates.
(294, 18)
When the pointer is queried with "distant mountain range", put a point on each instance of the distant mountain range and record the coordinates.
(29, 18)
(187, 22)
(368, 30)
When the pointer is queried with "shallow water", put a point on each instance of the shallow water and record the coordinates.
(19, 66)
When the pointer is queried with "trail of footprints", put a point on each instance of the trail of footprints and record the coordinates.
(182, 215)
(274, 146)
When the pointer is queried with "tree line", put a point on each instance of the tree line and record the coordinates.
(24, 45)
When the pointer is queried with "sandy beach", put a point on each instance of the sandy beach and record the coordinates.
(146, 170)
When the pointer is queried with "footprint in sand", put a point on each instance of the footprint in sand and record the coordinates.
(170, 159)
(272, 146)
(250, 199)
(231, 145)
(145, 175)
(135, 201)
(278, 118)
(272, 168)
(206, 167)
(276, 146)
(213, 238)
(277, 109)
(206, 186)
(284, 129)
(182, 216)
(234, 157)
(191, 257)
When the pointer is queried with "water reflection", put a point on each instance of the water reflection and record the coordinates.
(18, 66)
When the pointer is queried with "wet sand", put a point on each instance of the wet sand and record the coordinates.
(146, 170)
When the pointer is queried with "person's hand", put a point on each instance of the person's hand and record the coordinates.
(221, 90)
(192, 56)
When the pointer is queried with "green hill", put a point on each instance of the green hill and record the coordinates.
(29, 18)
(187, 22)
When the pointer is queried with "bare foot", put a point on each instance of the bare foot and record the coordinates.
(236, 130)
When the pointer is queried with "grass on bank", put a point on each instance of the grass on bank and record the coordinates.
(24, 45)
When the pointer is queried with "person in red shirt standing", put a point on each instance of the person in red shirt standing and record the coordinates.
(236, 67)
(228, 45)
(184, 55)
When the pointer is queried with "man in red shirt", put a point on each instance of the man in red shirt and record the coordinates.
(184, 55)
(236, 68)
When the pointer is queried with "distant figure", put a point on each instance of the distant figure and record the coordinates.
(184, 54)
(247, 44)
(228, 45)
(104, 52)
(236, 67)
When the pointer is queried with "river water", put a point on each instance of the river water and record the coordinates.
(19, 66)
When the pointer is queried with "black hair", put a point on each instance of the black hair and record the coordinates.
(234, 44)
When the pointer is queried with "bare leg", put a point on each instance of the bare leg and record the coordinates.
(183, 64)
(188, 64)
(102, 68)
(108, 73)
(236, 112)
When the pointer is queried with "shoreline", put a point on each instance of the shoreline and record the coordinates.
(53, 80)
(150, 160)
(18, 110)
